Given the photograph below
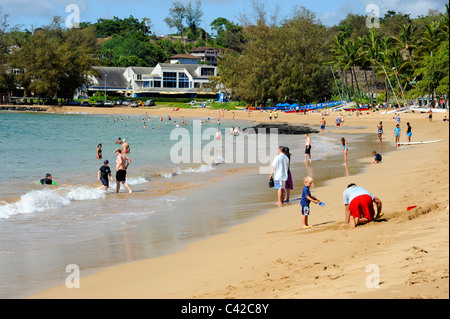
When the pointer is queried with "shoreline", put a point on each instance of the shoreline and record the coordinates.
(217, 269)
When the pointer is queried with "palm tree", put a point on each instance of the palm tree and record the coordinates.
(337, 54)
(407, 42)
(352, 58)
(371, 54)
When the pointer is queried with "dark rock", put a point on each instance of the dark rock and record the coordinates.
(285, 129)
(22, 108)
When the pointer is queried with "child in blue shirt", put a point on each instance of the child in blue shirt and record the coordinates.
(307, 198)
(397, 131)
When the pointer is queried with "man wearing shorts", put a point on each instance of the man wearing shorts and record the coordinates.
(122, 163)
(307, 148)
(359, 206)
(279, 174)
(338, 122)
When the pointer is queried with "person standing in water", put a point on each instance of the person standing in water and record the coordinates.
(322, 125)
(380, 131)
(99, 151)
(104, 175)
(122, 163)
(125, 148)
(344, 149)
(307, 148)
(47, 180)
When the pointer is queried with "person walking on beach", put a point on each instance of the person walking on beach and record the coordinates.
(358, 204)
(322, 125)
(289, 182)
(338, 122)
(408, 132)
(430, 115)
(344, 149)
(270, 115)
(307, 148)
(104, 173)
(397, 131)
(122, 163)
(279, 174)
(306, 199)
(380, 131)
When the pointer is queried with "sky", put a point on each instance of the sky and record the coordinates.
(31, 14)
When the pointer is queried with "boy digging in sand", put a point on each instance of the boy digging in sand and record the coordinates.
(307, 198)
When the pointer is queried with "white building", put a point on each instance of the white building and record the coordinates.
(180, 80)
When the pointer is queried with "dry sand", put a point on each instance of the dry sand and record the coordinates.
(272, 257)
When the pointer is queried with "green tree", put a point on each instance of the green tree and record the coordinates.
(175, 20)
(55, 63)
(228, 34)
(280, 62)
(193, 16)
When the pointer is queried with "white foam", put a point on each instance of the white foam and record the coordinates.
(34, 201)
(85, 193)
(136, 180)
(47, 199)
(202, 169)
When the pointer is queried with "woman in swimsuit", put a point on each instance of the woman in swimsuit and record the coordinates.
(344, 149)
(380, 131)
(99, 151)
(409, 131)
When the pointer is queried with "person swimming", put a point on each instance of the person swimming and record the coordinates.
(47, 180)
(125, 147)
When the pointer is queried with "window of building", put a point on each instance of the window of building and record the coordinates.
(197, 85)
(146, 84)
(157, 83)
(139, 76)
(169, 79)
(207, 71)
(183, 81)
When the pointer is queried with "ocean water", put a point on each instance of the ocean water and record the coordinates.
(45, 228)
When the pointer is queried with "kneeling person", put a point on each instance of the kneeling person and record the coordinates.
(359, 206)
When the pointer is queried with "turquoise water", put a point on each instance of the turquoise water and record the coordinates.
(45, 228)
(65, 145)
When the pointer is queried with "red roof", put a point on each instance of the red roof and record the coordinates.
(184, 56)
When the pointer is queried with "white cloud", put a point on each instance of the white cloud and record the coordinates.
(412, 7)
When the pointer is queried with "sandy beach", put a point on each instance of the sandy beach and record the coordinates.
(272, 257)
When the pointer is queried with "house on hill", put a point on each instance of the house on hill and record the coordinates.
(184, 59)
(163, 80)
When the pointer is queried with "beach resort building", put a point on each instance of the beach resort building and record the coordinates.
(173, 79)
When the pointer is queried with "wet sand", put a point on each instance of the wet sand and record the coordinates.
(272, 257)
